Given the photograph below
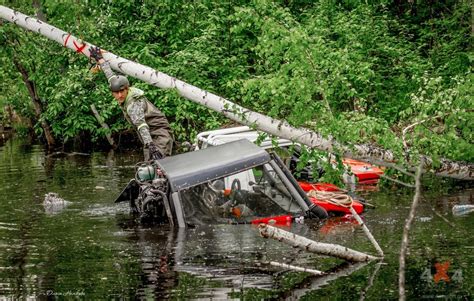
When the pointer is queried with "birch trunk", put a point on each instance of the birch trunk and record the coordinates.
(406, 231)
(309, 245)
(367, 232)
(37, 105)
(367, 153)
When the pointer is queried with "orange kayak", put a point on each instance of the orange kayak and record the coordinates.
(329, 206)
(366, 173)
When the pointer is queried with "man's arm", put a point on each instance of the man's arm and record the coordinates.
(137, 114)
(96, 53)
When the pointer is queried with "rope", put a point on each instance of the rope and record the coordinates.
(341, 199)
(333, 197)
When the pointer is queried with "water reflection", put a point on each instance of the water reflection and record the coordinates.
(92, 249)
(223, 260)
(315, 282)
(223, 256)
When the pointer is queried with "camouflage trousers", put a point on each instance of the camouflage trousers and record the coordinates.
(163, 139)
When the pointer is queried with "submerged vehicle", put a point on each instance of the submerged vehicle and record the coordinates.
(236, 182)
(365, 173)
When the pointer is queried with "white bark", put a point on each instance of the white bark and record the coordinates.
(367, 232)
(309, 245)
(406, 231)
(342, 199)
(232, 111)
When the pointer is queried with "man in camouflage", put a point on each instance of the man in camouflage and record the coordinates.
(151, 124)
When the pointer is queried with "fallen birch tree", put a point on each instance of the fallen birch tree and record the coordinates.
(280, 128)
(340, 198)
(367, 232)
(309, 245)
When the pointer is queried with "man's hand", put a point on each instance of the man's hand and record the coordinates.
(95, 53)
(154, 152)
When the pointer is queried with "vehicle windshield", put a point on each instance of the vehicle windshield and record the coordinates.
(242, 198)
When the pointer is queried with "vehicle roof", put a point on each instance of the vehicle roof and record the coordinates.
(197, 167)
(221, 136)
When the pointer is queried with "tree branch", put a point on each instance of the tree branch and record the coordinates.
(406, 231)
(304, 243)
(397, 181)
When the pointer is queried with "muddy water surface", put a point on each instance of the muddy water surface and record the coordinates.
(91, 249)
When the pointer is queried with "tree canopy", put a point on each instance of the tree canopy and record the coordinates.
(396, 75)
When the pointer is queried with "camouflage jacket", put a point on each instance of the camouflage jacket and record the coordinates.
(140, 112)
(146, 118)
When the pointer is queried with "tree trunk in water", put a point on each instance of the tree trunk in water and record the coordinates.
(367, 153)
(406, 231)
(38, 106)
(309, 245)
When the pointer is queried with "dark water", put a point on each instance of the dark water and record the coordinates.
(91, 249)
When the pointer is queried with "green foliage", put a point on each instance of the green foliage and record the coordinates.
(355, 72)
(443, 117)
(21, 130)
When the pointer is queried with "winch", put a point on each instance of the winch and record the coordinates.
(152, 202)
(145, 172)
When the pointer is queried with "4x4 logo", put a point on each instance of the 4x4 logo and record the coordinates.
(441, 273)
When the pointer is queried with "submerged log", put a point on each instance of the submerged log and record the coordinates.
(309, 245)
(280, 128)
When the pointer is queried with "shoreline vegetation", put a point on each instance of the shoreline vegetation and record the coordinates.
(395, 76)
